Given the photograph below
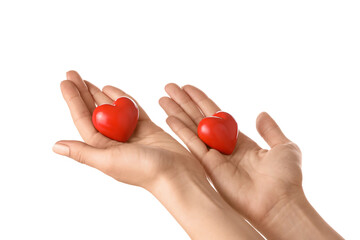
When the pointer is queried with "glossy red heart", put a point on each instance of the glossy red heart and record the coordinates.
(116, 121)
(219, 131)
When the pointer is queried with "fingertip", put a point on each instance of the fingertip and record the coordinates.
(170, 120)
(170, 86)
(187, 86)
(106, 88)
(61, 149)
(62, 83)
(67, 85)
(71, 73)
(166, 87)
(162, 101)
(165, 100)
(270, 130)
(68, 82)
(261, 115)
(193, 91)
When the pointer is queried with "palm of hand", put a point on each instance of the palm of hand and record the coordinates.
(261, 178)
(253, 180)
(149, 152)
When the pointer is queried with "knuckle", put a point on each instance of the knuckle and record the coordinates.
(72, 98)
(294, 146)
(109, 161)
(81, 116)
(80, 156)
(97, 92)
(193, 138)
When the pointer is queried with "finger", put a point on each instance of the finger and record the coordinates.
(81, 115)
(184, 101)
(191, 140)
(84, 153)
(115, 93)
(206, 105)
(269, 130)
(99, 97)
(81, 86)
(173, 109)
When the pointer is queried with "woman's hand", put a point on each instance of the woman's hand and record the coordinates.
(151, 159)
(259, 183)
(150, 153)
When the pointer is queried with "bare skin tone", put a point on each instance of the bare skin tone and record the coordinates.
(151, 159)
(265, 186)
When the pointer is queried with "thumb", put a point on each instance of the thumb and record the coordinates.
(269, 130)
(83, 153)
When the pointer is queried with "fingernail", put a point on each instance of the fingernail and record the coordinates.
(61, 149)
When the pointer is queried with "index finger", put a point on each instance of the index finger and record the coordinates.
(83, 89)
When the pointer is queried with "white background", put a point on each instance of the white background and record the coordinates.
(297, 60)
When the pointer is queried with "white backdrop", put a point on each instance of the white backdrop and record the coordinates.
(297, 60)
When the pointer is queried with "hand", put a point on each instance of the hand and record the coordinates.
(252, 179)
(255, 181)
(151, 159)
(149, 154)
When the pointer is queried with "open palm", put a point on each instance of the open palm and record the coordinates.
(149, 153)
(253, 180)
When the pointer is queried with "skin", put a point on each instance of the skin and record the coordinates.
(265, 186)
(151, 159)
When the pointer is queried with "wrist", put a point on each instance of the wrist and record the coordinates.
(294, 218)
(199, 209)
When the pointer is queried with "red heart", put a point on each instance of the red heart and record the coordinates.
(219, 131)
(116, 121)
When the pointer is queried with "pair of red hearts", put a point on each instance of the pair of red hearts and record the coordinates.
(118, 122)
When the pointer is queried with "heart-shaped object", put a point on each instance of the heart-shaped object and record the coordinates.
(116, 121)
(219, 131)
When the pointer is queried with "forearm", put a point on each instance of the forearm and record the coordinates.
(201, 212)
(296, 219)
